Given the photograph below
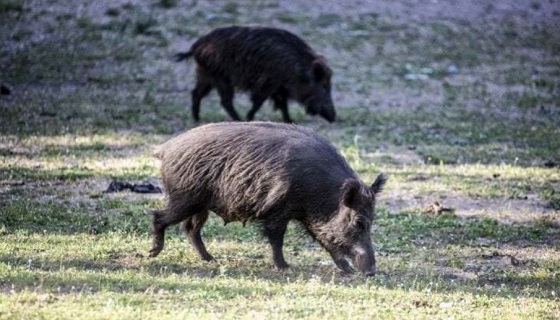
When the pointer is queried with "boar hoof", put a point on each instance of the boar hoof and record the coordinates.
(282, 266)
(154, 252)
(207, 257)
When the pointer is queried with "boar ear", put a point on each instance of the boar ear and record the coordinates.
(350, 192)
(320, 69)
(377, 185)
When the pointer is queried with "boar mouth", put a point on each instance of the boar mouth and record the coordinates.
(326, 110)
(360, 258)
(365, 270)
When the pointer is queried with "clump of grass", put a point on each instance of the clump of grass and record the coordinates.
(448, 228)
(144, 23)
(231, 8)
(289, 17)
(112, 12)
(42, 217)
(85, 22)
(52, 217)
(327, 20)
(442, 159)
(528, 101)
(554, 203)
(11, 5)
(168, 4)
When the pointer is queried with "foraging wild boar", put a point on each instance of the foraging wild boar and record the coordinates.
(270, 173)
(267, 63)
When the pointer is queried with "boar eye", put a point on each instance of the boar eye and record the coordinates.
(360, 223)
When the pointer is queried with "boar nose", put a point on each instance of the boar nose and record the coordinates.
(329, 114)
(370, 273)
(364, 260)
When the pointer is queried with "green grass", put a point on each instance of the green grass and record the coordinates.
(11, 5)
(46, 264)
(461, 112)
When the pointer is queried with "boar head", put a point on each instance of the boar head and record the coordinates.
(314, 90)
(347, 236)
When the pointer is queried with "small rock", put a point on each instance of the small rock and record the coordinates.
(452, 69)
(459, 141)
(491, 256)
(5, 91)
(416, 76)
(145, 188)
(418, 177)
(117, 186)
(436, 208)
(485, 242)
(550, 164)
(426, 70)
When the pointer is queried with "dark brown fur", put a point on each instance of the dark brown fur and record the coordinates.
(271, 173)
(267, 63)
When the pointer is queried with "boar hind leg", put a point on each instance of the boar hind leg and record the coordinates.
(258, 100)
(274, 231)
(158, 232)
(200, 91)
(192, 226)
(281, 102)
(175, 212)
(226, 92)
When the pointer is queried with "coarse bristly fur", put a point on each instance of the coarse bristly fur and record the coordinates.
(269, 63)
(271, 173)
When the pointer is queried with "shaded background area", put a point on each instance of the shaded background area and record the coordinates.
(477, 79)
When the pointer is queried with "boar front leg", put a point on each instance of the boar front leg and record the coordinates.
(226, 92)
(274, 231)
(258, 100)
(280, 99)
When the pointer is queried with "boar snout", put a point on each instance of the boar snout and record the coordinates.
(328, 113)
(322, 106)
(364, 260)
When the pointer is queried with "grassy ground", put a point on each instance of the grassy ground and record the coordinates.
(459, 109)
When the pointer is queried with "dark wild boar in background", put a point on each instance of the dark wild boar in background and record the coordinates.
(270, 173)
(267, 63)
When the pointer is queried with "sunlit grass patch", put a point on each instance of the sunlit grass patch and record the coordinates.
(71, 157)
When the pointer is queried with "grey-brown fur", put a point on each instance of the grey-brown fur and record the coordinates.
(271, 173)
(268, 63)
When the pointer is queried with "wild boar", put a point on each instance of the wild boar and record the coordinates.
(269, 173)
(267, 63)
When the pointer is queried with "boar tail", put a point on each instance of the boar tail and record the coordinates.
(182, 56)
